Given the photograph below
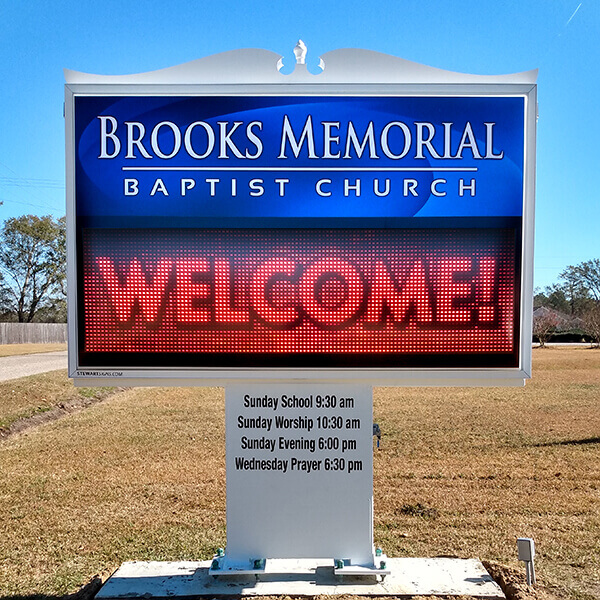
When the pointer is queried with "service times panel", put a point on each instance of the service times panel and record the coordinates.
(299, 455)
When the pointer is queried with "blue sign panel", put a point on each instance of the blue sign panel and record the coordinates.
(349, 232)
(216, 157)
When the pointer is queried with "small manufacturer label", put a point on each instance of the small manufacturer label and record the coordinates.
(99, 374)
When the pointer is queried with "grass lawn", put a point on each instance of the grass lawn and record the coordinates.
(38, 394)
(19, 349)
(460, 472)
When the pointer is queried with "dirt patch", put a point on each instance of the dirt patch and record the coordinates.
(58, 412)
(513, 585)
(419, 510)
(37, 399)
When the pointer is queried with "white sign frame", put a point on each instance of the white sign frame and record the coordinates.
(347, 72)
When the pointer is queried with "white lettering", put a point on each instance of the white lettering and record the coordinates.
(187, 184)
(359, 148)
(256, 185)
(384, 140)
(355, 187)
(462, 187)
(425, 141)
(288, 134)
(105, 135)
(319, 187)
(136, 141)
(159, 186)
(410, 185)
(434, 189)
(447, 134)
(131, 187)
(226, 141)
(468, 141)
(176, 139)
(489, 142)
(210, 139)
(282, 183)
(213, 184)
(252, 137)
(329, 139)
(376, 188)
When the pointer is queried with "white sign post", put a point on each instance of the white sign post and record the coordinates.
(299, 473)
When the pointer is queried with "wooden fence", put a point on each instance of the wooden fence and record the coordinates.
(33, 333)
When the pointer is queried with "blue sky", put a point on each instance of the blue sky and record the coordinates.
(40, 38)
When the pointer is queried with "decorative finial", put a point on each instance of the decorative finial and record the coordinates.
(300, 53)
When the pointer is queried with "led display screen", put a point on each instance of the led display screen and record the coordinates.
(310, 232)
(268, 297)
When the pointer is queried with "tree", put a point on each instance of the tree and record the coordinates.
(591, 322)
(545, 322)
(553, 296)
(569, 297)
(5, 300)
(32, 264)
(54, 311)
(584, 276)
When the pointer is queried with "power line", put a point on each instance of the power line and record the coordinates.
(17, 180)
(44, 206)
(22, 182)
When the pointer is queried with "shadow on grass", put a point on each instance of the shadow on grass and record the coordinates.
(584, 442)
(40, 597)
(87, 592)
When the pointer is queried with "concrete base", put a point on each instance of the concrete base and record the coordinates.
(408, 577)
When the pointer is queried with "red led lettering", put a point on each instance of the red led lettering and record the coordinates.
(224, 312)
(187, 291)
(449, 290)
(413, 295)
(136, 288)
(263, 300)
(326, 302)
(485, 286)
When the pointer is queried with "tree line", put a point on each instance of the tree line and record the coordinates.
(571, 304)
(33, 259)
